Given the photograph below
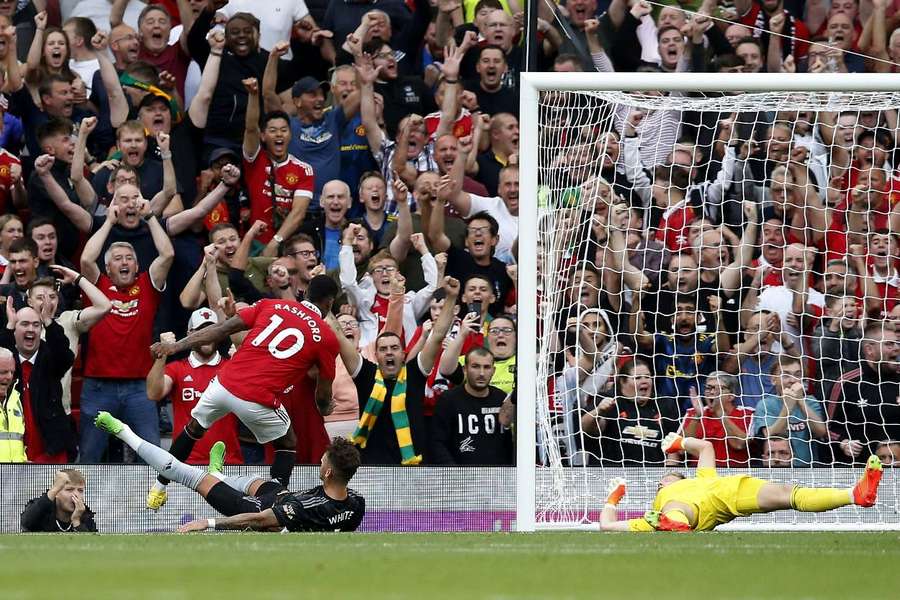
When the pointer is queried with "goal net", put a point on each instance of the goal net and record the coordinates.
(722, 264)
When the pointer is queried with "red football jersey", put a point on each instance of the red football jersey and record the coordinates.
(293, 177)
(7, 160)
(674, 226)
(117, 346)
(461, 127)
(286, 338)
(190, 378)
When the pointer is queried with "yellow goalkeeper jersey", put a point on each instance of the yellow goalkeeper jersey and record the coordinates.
(714, 499)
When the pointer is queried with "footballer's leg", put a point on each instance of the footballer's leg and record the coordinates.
(210, 408)
(156, 457)
(285, 457)
(181, 448)
(774, 496)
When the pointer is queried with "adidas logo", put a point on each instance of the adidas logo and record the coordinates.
(188, 378)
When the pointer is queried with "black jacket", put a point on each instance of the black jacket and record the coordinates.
(54, 358)
(40, 516)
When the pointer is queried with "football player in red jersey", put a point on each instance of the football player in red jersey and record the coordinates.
(285, 339)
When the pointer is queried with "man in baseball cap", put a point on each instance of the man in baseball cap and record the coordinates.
(316, 131)
(184, 381)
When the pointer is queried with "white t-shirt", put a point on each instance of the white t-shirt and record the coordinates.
(780, 299)
(98, 11)
(85, 69)
(275, 22)
(509, 224)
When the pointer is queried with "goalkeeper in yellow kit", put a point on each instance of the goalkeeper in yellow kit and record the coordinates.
(707, 500)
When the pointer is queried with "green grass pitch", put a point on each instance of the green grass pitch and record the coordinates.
(706, 566)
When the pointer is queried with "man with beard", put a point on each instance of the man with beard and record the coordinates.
(391, 391)
(863, 408)
(40, 366)
(465, 427)
(252, 503)
(680, 357)
(503, 208)
(402, 95)
(494, 96)
(184, 381)
(411, 153)
(110, 382)
(482, 237)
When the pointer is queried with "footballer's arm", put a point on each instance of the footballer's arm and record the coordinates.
(261, 521)
(609, 516)
(207, 335)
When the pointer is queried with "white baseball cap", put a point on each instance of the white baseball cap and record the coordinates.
(201, 317)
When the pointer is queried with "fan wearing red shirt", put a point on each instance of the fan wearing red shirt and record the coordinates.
(280, 185)
(154, 28)
(669, 188)
(285, 340)
(12, 189)
(721, 420)
(756, 14)
(116, 358)
(184, 381)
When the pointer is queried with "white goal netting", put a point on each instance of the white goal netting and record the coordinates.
(725, 266)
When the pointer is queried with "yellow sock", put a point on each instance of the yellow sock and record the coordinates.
(819, 499)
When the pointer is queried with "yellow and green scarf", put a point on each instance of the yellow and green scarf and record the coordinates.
(408, 454)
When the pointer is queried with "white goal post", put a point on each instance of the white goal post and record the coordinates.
(531, 504)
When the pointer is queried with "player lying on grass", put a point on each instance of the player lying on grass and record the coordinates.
(703, 502)
(252, 502)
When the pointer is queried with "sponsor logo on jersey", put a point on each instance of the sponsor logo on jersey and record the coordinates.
(360, 131)
(125, 309)
(640, 432)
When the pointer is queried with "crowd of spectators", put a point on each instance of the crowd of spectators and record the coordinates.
(165, 162)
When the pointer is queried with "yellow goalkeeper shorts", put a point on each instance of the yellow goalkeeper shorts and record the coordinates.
(747, 497)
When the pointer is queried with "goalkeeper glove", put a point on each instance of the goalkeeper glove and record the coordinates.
(673, 443)
(616, 491)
